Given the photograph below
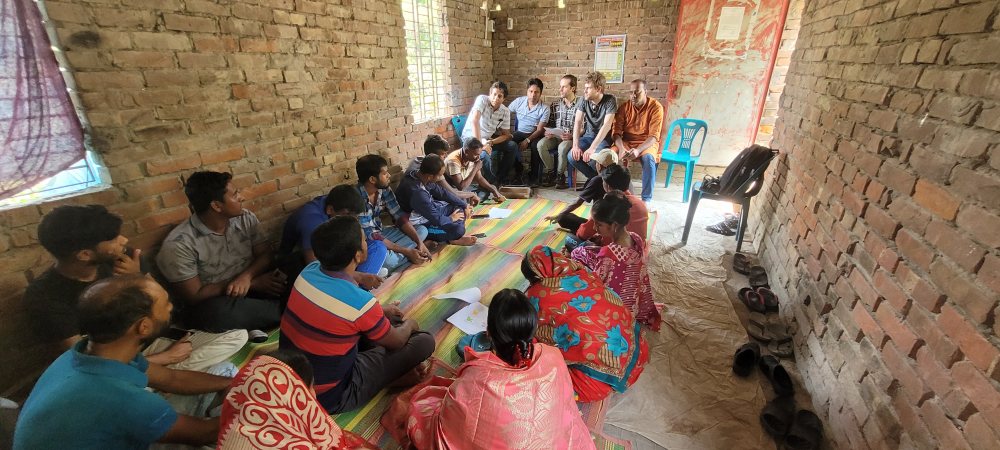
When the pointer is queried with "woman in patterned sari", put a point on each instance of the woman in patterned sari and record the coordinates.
(621, 263)
(598, 338)
(271, 405)
(516, 396)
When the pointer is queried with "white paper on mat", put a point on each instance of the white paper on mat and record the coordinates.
(500, 213)
(470, 319)
(470, 295)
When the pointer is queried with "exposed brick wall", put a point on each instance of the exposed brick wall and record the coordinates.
(789, 34)
(550, 42)
(880, 220)
(286, 94)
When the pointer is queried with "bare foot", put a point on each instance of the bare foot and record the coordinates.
(464, 240)
(411, 378)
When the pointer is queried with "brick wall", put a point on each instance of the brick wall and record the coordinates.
(789, 34)
(550, 42)
(880, 219)
(285, 94)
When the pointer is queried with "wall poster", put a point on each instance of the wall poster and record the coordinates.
(609, 57)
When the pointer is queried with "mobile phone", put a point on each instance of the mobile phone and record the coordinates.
(480, 216)
(175, 334)
(479, 235)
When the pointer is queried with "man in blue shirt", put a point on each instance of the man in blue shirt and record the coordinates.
(531, 117)
(340, 201)
(94, 396)
(440, 211)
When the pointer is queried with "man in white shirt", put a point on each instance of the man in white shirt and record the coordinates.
(489, 122)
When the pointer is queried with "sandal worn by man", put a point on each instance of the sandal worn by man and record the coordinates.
(781, 382)
(805, 433)
(745, 359)
(777, 416)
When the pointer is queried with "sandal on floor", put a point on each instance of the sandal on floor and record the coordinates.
(781, 382)
(745, 359)
(782, 348)
(769, 298)
(721, 228)
(777, 416)
(478, 342)
(805, 433)
(731, 220)
(757, 330)
(753, 301)
(758, 277)
(742, 263)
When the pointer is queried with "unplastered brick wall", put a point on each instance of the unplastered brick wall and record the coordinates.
(550, 42)
(285, 94)
(881, 218)
(789, 34)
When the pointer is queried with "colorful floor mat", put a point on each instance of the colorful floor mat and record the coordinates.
(492, 265)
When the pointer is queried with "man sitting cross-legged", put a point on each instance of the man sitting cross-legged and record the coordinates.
(636, 134)
(616, 179)
(463, 167)
(355, 347)
(296, 243)
(434, 144)
(404, 240)
(592, 191)
(443, 213)
(218, 260)
(87, 244)
(94, 396)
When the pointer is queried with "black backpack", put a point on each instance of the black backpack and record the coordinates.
(738, 172)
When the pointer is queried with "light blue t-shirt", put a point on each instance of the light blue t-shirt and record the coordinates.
(88, 402)
(528, 119)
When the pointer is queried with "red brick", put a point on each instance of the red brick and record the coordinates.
(944, 430)
(902, 370)
(882, 222)
(891, 291)
(977, 349)
(962, 291)
(914, 250)
(899, 332)
(163, 218)
(985, 394)
(868, 325)
(981, 224)
(953, 244)
(989, 273)
(979, 434)
(936, 342)
(864, 289)
(936, 199)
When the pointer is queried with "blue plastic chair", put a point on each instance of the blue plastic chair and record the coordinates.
(689, 130)
(459, 123)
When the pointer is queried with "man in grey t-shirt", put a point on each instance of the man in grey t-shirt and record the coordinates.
(595, 115)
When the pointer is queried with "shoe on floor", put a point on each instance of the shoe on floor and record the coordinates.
(257, 336)
(721, 228)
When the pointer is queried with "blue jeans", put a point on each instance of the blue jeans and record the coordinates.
(588, 170)
(394, 260)
(648, 176)
(376, 257)
(504, 157)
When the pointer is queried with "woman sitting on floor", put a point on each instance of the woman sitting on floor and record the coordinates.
(271, 404)
(598, 337)
(518, 395)
(621, 263)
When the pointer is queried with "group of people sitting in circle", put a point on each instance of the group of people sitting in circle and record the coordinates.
(143, 373)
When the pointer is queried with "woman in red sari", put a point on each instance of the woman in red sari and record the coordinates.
(621, 263)
(270, 405)
(516, 396)
(587, 322)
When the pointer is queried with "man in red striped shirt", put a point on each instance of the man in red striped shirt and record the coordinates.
(356, 347)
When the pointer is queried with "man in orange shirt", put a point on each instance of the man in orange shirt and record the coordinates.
(636, 134)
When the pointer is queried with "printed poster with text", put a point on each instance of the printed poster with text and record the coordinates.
(609, 57)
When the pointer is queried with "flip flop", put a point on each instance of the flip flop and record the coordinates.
(753, 301)
(782, 348)
(805, 433)
(757, 329)
(769, 298)
(742, 263)
(478, 342)
(777, 416)
(758, 277)
(781, 382)
(745, 359)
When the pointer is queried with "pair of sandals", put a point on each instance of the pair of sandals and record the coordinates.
(745, 264)
(773, 333)
(796, 430)
(759, 299)
(748, 356)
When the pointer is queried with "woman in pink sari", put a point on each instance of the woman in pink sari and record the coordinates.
(270, 405)
(621, 263)
(516, 396)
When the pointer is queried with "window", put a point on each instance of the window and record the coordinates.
(426, 59)
(44, 152)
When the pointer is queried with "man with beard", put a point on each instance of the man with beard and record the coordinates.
(94, 396)
(404, 240)
(87, 244)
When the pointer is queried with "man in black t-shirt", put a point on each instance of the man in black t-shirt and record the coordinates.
(593, 190)
(595, 118)
(87, 244)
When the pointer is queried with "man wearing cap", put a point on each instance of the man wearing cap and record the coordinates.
(593, 190)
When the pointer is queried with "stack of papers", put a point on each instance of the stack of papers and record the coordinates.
(472, 318)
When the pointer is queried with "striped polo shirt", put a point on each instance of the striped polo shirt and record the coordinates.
(327, 314)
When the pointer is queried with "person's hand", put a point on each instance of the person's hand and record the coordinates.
(415, 256)
(566, 136)
(473, 201)
(368, 281)
(392, 309)
(178, 351)
(576, 152)
(127, 263)
(488, 148)
(587, 154)
(499, 198)
(524, 144)
(553, 218)
(549, 133)
(457, 215)
(414, 326)
(478, 165)
(271, 283)
(468, 211)
(239, 286)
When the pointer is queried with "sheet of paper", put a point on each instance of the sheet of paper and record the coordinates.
(556, 131)
(470, 295)
(500, 213)
(471, 319)
(730, 23)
